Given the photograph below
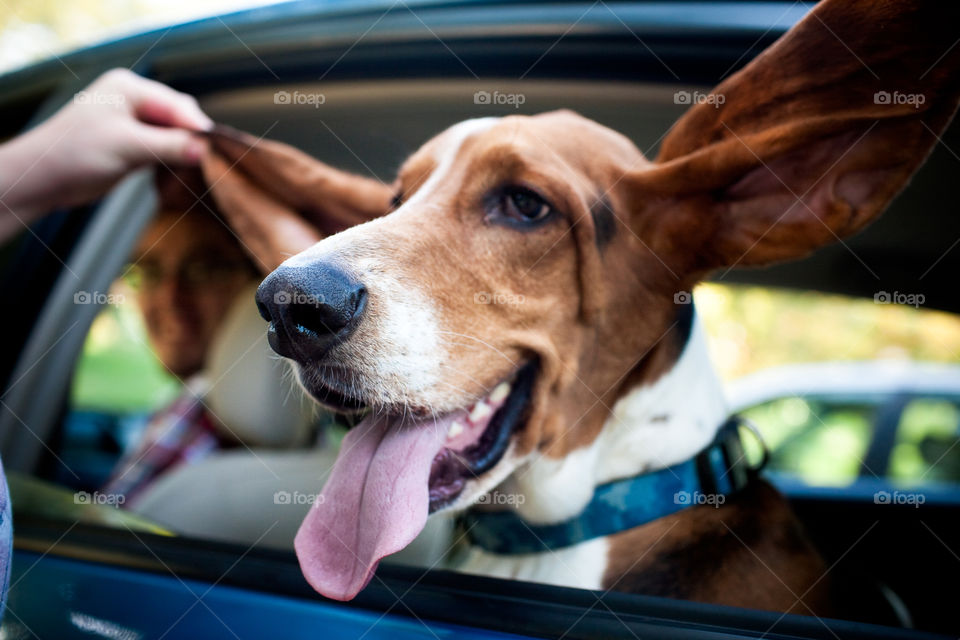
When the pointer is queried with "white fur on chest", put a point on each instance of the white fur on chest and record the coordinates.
(652, 427)
(581, 566)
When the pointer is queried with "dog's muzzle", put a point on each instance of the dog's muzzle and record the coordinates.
(310, 309)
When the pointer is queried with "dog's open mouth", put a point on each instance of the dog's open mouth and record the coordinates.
(478, 438)
(392, 472)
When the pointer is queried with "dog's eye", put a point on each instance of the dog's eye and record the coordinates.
(525, 205)
(396, 200)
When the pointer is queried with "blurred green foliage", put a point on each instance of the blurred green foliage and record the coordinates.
(117, 372)
(754, 328)
(32, 30)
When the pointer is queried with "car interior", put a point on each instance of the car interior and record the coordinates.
(894, 561)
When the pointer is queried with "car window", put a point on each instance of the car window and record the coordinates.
(118, 382)
(175, 370)
(818, 440)
(925, 451)
(787, 342)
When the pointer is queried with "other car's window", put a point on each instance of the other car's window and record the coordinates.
(925, 450)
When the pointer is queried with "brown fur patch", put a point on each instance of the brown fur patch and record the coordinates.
(750, 552)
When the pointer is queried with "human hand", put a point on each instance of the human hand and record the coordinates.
(119, 123)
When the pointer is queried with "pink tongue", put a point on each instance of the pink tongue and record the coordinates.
(375, 503)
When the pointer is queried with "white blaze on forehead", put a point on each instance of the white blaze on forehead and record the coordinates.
(454, 137)
(343, 242)
(397, 351)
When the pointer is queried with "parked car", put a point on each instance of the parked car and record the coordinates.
(392, 75)
(877, 427)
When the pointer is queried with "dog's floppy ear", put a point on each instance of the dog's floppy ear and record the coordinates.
(281, 201)
(810, 141)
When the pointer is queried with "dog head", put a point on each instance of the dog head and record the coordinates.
(527, 270)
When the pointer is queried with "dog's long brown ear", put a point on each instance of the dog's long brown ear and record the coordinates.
(810, 141)
(280, 200)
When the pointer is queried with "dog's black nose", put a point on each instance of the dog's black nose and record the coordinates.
(310, 309)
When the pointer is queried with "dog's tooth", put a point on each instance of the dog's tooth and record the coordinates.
(455, 429)
(480, 411)
(500, 392)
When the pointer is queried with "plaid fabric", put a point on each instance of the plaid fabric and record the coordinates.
(183, 433)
